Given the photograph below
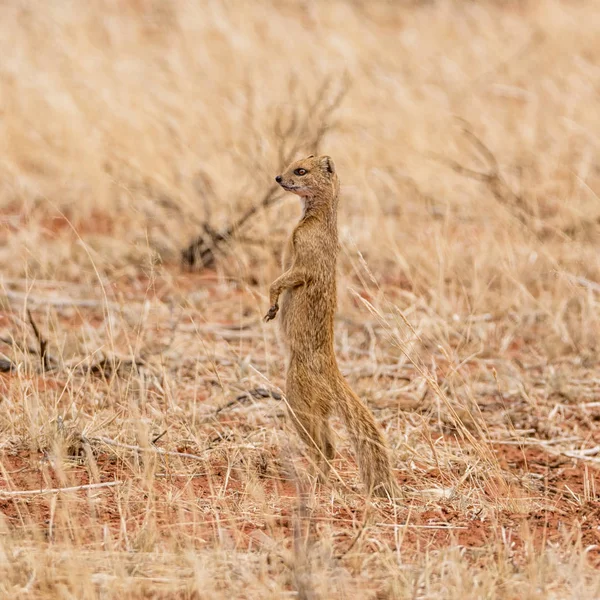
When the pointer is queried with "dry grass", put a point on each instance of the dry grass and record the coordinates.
(467, 144)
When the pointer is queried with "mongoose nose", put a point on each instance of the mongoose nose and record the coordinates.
(278, 179)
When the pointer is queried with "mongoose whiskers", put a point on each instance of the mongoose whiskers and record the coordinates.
(314, 385)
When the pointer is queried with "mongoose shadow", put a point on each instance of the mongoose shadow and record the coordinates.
(315, 388)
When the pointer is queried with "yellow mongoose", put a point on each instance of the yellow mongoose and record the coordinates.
(314, 385)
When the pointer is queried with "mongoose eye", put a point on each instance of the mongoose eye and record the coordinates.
(300, 172)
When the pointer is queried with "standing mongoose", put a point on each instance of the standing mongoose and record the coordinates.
(314, 385)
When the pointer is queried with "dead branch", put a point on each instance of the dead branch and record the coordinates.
(257, 393)
(57, 301)
(161, 451)
(108, 366)
(159, 436)
(505, 195)
(260, 392)
(43, 343)
(75, 488)
(298, 133)
(492, 178)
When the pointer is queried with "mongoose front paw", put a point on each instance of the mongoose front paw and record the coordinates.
(272, 312)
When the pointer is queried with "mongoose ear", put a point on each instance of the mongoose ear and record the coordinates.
(311, 156)
(328, 164)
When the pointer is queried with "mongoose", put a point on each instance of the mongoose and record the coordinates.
(314, 385)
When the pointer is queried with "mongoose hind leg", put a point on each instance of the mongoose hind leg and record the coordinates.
(328, 445)
(328, 441)
(312, 434)
(313, 427)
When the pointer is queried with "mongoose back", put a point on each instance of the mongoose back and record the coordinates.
(314, 385)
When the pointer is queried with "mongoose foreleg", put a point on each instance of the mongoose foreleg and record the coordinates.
(292, 278)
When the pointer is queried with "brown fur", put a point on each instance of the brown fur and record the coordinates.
(315, 387)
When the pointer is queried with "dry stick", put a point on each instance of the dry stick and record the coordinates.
(160, 435)
(110, 442)
(203, 249)
(56, 300)
(41, 341)
(256, 393)
(42, 351)
(75, 488)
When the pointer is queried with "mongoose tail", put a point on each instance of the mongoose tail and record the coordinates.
(372, 454)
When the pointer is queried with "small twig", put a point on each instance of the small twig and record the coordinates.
(56, 300)
(41, 341)
(75, 488)
(160, 435)
(583, 454)
(531, 442)
(241, 398)
(110, 365)
(7, 365)
(257, 393)
(110, 442)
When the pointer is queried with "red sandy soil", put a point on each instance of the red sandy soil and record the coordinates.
(188, 507)
(561, 520)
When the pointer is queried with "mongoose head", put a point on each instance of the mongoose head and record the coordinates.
(310, 176)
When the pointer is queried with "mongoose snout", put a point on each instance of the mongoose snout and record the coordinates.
(309, 178)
